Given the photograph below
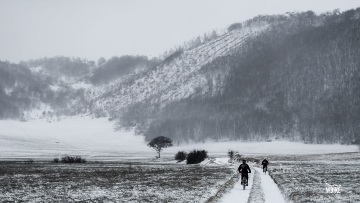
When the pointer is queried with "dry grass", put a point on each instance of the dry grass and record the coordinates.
(302, 179)
(114, 182)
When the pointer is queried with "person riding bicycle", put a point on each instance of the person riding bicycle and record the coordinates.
(244, 169)
(265, 164)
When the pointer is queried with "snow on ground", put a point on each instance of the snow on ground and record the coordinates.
(95, 138)
(237, 193)
(217, 161)
(308, 184)
(78, 136)
(38, 112)
(109, 182)
(275, 147)
(256, 194)
(267, 186)
(271, 190)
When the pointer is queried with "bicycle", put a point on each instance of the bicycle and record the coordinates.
(264, 169)
(244, 181)
(244, 169)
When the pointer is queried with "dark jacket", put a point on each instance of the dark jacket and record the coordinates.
(265, 162)
(244, 168)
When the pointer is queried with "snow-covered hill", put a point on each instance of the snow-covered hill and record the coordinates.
(180, 78)
(188, 74)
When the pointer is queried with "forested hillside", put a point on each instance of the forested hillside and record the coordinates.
(299, 80)
(19, 90)
(40, 90)
(60, 86)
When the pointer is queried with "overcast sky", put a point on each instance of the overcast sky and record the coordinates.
(94, 28)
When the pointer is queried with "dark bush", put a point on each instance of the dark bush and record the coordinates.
(231, 154)
(56, 160)
(196, 157)
(180, 156)
(72, 159)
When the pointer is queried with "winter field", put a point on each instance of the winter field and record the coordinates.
(109, 182)
(96, 139)
(303, 178)
(121, 168)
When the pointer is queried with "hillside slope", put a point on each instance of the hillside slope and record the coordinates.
(298, 80)
(179, 77)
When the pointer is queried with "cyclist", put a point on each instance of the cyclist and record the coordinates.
(265, 164)
(244, 169)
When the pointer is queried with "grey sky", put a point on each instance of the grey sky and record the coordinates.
(94, 28)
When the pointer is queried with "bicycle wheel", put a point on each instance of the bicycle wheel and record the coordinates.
(243, 182)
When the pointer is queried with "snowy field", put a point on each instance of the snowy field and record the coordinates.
(96, 139)
(303, 178)
(299, 178)
(109, 182)
(128, 171)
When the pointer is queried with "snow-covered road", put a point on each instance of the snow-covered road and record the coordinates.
(265, 190)
(237, 194)
(271, 190)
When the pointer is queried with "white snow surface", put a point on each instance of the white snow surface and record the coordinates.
(96, 138)
(237, 193)
(271, 190)
(275, 147)
(39, 111)
(73, 136)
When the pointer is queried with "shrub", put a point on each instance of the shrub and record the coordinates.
(72, 159)
(56, 160)
(231, 154)
(180, 156)
(237, 157)
(196, 157)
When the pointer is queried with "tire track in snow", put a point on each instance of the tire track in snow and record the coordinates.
(225, 188)
(271, 190)
(256, 193)
(262, 188)
(237, 194)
